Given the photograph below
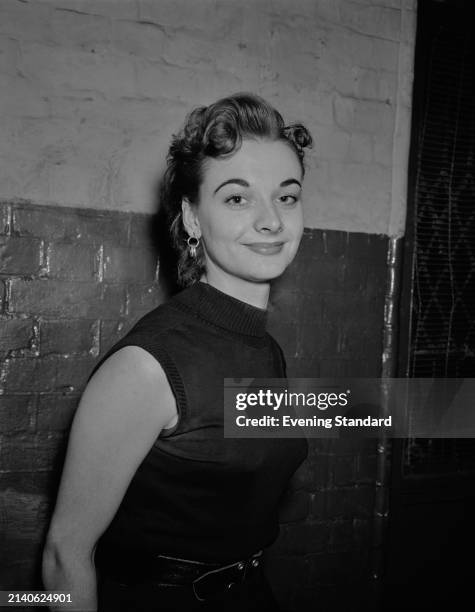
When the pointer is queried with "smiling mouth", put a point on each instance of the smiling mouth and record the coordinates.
(266, 248)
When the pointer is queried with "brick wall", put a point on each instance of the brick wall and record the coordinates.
(93, 89)
(327, 313)
(74, 280)
(71, 283)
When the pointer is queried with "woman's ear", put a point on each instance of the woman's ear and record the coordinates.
(190, 219)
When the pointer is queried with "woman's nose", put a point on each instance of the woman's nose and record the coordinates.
(268, 218)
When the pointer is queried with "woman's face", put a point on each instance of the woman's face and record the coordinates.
(249, 214)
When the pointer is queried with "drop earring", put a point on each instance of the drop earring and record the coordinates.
(193, 243)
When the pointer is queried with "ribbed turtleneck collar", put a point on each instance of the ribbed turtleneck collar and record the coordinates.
(223, 310)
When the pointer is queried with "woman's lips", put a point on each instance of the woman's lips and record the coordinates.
(265, 248)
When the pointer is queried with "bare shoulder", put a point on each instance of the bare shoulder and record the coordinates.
(128, 398)
(131, 384)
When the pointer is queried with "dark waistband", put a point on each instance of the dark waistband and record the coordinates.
(204, 577)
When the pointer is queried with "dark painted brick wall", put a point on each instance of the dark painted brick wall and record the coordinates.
(73, 281)
(327, 313)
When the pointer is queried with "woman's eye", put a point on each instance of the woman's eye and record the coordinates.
(235, 200)
(288, 199)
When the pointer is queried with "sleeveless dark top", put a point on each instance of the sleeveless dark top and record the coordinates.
(198, 495)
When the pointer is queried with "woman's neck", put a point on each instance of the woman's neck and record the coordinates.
(255, 294)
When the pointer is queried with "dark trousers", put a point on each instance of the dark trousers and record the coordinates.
(253, 595)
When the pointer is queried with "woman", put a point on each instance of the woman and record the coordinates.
(156, 510)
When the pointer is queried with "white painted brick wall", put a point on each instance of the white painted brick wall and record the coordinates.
(91, 91)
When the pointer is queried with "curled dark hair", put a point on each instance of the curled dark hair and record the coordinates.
(215, 131)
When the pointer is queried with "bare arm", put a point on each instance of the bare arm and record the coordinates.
(123, 409)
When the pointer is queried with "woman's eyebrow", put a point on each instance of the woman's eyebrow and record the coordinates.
(291, 181)
(236, 181)
(243, 183)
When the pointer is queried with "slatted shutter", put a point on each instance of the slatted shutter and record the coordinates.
(441, 219)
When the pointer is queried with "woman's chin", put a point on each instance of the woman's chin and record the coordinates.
(265, 274)
(257, 270)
